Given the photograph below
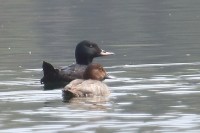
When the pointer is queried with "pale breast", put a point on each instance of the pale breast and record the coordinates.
(87, 88)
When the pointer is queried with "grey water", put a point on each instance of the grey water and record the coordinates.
(156, 67)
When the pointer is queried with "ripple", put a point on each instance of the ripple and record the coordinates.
(30, 96)
(179, 92)
(155, 65)
(156, 100)
(32, 82)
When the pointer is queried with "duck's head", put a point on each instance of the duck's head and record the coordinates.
(95, 72)
(86, 51)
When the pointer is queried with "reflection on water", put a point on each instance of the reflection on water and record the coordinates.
(158, 101)
(156, 69)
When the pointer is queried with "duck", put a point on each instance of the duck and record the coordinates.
(91, 85)
(85, 52)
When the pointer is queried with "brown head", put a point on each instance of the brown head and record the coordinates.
(95, 72)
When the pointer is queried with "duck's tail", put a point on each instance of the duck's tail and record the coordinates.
(50, 73)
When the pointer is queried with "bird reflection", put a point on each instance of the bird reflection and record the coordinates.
(96, 102)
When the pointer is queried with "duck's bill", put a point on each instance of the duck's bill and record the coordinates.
(108, 77)
(105, 53)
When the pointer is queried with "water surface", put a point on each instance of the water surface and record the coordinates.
(156, 68)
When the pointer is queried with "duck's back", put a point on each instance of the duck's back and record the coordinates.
(72, 72)
(87, 88)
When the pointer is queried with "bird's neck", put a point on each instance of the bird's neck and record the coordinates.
(84, 60)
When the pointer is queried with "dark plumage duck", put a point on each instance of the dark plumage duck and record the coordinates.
(90, 86)
(84, 54)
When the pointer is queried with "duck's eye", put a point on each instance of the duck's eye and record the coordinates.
(100, 68)
(91, 46)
